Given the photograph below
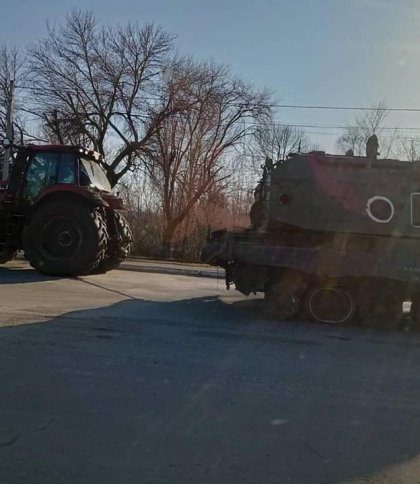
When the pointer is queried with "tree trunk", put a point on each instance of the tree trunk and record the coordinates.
(168, 234)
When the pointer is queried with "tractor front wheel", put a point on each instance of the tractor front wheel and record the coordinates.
(119, 243)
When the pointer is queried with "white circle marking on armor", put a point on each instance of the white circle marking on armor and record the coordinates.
(373, 217)
(336, 291)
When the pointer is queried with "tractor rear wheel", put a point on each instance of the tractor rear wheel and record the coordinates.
(119, 243)
(65, 238)
(7, 255)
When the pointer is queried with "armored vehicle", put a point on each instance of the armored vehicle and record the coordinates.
(332, 238)
(57, 206)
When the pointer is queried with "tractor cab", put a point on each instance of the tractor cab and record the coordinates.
(40, 170)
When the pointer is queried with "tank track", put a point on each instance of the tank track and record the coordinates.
(318, 283)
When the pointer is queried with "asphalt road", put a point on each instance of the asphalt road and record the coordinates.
(154, 378)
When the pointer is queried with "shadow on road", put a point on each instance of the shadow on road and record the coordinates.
(12, 275)
(199, 391)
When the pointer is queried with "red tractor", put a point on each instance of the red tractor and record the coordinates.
(57, 206)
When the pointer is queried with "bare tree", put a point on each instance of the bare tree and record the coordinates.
(408, 148)
(370, 122)
(11, 69)
(277, 140)
(185, 160)
(101, 87)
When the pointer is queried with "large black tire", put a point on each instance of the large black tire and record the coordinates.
(119, 243)
(65, 238)
(7, 255)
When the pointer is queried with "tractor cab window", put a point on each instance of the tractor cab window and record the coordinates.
(41, 174)
(67, 169)
(84, 179)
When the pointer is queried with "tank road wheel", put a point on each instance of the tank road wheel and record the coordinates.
(415, 311)
(281, 306)
(328, 303)
(119, 243)
(65, 238)
(381, 308)
(282, 296)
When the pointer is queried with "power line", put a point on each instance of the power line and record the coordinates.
(285, 106)
(305, 126)
(282, 124)
(344, 108)
(332, 126)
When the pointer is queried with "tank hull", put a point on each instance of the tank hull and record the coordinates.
(333, 237)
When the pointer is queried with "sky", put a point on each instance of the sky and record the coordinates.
(307, 52)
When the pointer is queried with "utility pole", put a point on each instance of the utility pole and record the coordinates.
(9, 131)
